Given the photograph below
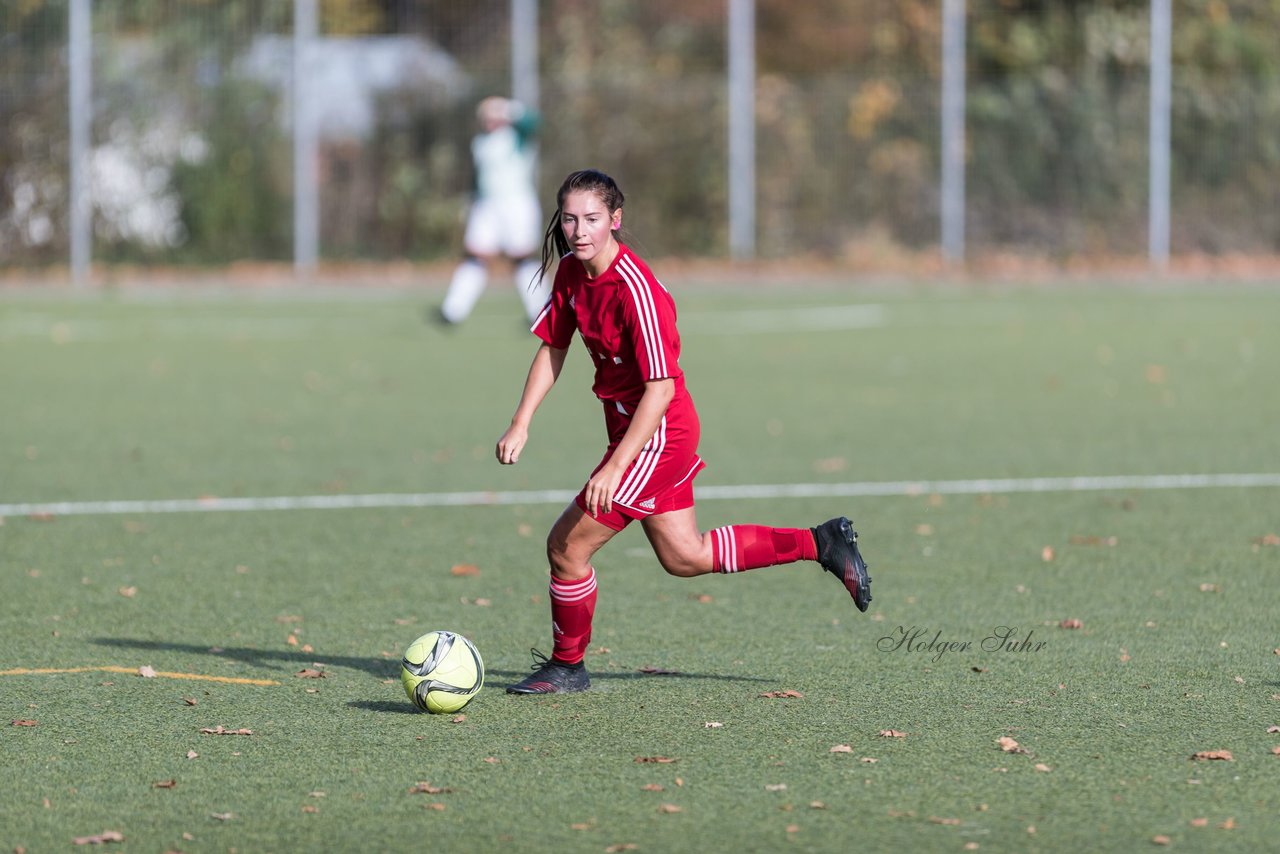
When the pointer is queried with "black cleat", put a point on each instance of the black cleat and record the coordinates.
(552, 677)
(838, 554)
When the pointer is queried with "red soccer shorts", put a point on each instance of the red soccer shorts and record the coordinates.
(660, 479)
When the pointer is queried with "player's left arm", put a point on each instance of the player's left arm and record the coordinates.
(525, 121)
(657, 396)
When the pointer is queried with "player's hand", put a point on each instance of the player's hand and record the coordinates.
(600, 490)
(510, 444)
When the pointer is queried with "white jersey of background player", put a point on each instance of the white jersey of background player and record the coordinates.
(504, 219)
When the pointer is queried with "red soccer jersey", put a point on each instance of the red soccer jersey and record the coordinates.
(627, 320)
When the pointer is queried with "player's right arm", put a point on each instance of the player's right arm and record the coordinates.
(543, 373)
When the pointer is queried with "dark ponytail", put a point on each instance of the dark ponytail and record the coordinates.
(554, 244)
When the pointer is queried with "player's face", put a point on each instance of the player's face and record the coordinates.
(587, 224)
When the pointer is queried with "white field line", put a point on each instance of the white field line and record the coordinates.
(898, 488)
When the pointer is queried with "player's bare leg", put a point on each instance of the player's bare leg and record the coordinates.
(574, 539)
(681, 548)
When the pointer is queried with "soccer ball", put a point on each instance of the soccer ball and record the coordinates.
(441, 672)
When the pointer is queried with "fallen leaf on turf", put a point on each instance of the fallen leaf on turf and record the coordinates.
(951, 821)
(652, 787)
(1161, 840)
(619, 848)
(457, 719)
(1040, 766)
(1223, 755)
(465, 569)
(817, 805)
(1071, 623)
(434, 805)
(291, 640)
(190, 701)
(164, 784)
(775, 787)
(869, 760)
(1275, 751)
(428, 789)
(1199, 822)
(1210, 588)
(220, 730)
(830, 465)
(712, 725)
(892, 733)
(1079, 540)
(1267, 540)
(581, 825)
(191, 754)
(702, 598)
(1046, 554)
(146, 671)
(24, 722)
(1273, 729)
(222, 816)
(669, 808)
(1008, 745)
(100, 839)
(659, 760)
(309, 673)
(289, 618)
(841, 748)
(492, 760)
(778, 695)
(312, 808)
(128, 592)
(1229, 824)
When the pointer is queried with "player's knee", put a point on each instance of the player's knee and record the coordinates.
(565, 564)
(683, 563)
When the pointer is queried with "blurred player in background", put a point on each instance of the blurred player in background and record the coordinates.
(504, 218)
(605, 294)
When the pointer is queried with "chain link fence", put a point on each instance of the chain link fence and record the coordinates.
(190, 157)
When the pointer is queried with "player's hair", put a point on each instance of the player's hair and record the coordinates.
(554, 243)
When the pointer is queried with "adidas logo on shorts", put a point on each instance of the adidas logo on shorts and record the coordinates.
(647, 504)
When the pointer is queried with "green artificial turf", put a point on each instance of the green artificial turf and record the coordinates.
(177, 396)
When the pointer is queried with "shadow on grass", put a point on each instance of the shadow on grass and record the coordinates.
(270, 659)
(611, 675)
(403, 707)
(383, 668)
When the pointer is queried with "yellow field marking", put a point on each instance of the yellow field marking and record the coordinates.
(133, 671)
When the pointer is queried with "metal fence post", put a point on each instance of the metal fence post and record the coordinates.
(1158, 133)
(306, 215)
(80, 115)
(742, 128)
(953, 130)
(524, 52)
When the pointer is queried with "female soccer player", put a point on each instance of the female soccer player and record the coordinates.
(607, 295)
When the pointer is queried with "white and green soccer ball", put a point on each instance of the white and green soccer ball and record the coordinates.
(441, 672)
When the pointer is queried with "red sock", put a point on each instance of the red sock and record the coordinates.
(573, 604)
(738, 547)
